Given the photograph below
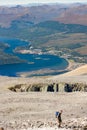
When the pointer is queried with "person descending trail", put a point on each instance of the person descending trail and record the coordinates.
(58, 116)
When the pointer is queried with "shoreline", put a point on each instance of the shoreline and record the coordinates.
(51, 72)
(73, 65)
(48, 71)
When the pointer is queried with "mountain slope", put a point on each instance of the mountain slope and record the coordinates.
(74, 15)
(71, 14)
(77, 72)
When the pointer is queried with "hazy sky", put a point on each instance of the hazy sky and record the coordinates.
(13, 2)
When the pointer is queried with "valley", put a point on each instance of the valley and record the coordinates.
(43, 66)
(50, 32)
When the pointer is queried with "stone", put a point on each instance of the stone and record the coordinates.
(85, 127)
(1, 128)
(47, 87)
(61, 87)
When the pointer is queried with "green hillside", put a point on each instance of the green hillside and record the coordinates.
(48, 34)
(8, 58)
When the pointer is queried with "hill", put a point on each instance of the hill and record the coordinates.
(74, 15)
(40, 25)
(68, 13)
(78, 75)
(60, 28)
(77, 72)
(66, 40)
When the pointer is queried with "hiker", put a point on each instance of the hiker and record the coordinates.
(58, 116)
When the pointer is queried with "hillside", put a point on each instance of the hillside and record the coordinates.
(30, 103)
(74, 15)
(77, 72)
(68, 13)
(6, 58)
(39, 25)
(30, 111)
(78, 75)
(66, 40)
(57, 28)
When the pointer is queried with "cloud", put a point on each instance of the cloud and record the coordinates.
(11, 2)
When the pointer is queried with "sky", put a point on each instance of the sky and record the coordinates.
(18, 2)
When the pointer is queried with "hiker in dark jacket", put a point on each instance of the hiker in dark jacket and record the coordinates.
(59, 118)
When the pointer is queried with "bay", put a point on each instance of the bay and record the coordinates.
(34, 61)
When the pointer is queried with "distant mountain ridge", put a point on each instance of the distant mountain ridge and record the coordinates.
(70, 13)
(75, 15)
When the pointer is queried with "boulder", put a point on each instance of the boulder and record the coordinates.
(1, 128)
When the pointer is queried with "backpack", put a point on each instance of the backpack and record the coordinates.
(57, 114)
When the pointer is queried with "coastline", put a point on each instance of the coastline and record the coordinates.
(73, 65)
(50, 71)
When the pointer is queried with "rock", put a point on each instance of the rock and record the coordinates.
(85, 127)
(47, 87)
(1, 128)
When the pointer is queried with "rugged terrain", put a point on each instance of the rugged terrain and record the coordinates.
(22, 111)
(56, 29)
(65, 13)
(25, 110)
(63, 33)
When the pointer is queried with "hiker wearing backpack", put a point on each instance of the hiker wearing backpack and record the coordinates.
(58, 116)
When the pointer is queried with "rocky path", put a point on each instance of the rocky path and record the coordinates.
(72, 124)
(36, 110)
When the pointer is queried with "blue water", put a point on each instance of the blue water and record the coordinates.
(38, 61)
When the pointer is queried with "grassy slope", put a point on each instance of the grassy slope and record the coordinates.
(8, 58)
